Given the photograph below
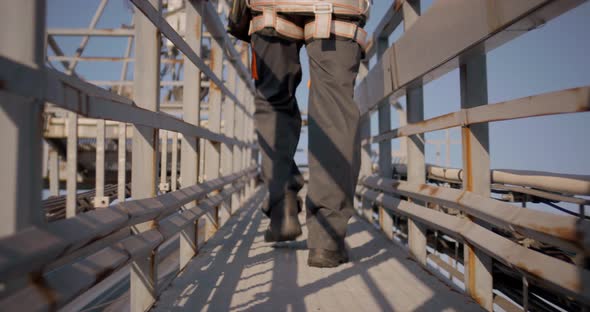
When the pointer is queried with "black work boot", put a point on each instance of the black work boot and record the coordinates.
(284, 223)
(323, 258)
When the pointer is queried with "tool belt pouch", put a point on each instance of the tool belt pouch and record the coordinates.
(239, 20)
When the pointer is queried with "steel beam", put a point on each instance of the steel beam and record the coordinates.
(228, 113)
(53, 172)
(191, 114)
(448, 31)
(20, 120)
(72, 165)
(476, 164)
(415, 143)
(100, 201)
(154, 16)
(143, 289)
(213, 149)
(572, 100)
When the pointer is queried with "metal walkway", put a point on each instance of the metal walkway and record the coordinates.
(237, 271)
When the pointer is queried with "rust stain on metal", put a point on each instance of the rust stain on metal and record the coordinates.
(460, 197)
(472, 288)
(466, 132)
(432, 190)
(561, 232)
(583, 99)
(37, 281)
(398, 4)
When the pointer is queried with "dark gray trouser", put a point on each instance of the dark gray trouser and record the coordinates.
(334, 145)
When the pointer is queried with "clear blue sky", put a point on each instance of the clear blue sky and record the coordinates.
(553, 57)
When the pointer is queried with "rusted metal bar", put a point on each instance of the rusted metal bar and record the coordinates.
(551, 272)
(213, 149)
(570, 101)
(476, 165)
(456, 28)
(415, 144)
(558, 230)
(144, 277)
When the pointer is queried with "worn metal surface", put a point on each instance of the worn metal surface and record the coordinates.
(252, 275)
(551, 272)
(570, 101)
(447, 31)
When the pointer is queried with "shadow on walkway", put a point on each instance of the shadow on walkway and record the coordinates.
(238, 271)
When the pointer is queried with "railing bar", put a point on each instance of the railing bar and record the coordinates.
(154, 16)
(571, 101)
(174, 164)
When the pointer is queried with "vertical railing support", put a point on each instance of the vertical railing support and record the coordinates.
(227, 149)
(476, 166)
(189, 157)
(100, 201)
(385, 161)
(72, 164)
(121, 162)
(213, 149)
(53, 172)
(164, 186)
(146, 94)
(365, 136)
(415, 144)
(20, 120)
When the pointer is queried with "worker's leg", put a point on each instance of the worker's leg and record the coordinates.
(277, 117)
(334, 145)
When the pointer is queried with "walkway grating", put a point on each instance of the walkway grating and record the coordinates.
(238, 271)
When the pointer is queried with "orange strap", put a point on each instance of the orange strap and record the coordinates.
(254, 68)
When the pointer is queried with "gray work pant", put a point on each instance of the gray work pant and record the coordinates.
(333, 121)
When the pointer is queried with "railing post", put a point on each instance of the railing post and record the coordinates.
(53, 172)
(122, 162)
(227, 149)
(146, 94)
(385, 161)
(164, 186)
(191, 110)
(21, 120)
(100, 201)
(476, 166)
(122, 140)
(365, 136)
(72, 164)
(415, 144)
(213, 149)
(236, 200)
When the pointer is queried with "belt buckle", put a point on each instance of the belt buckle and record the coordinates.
(323, 8)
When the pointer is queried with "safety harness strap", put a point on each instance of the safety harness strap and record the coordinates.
(341, 29)
(288, 29)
